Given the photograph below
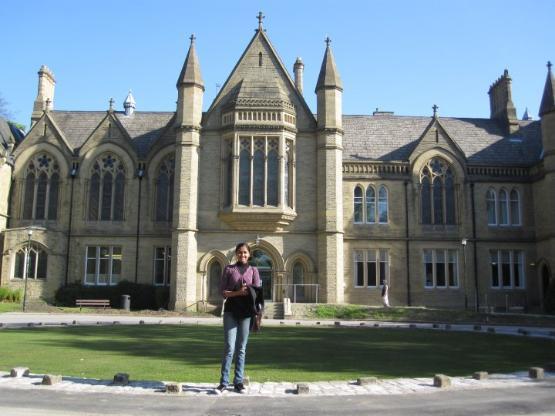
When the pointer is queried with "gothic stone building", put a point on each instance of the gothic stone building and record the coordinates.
(448, 211)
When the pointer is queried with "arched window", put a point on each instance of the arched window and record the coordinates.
(41, 188)
(245, 173)
(164, 189)
(298, 282)
(437, 193)
(382, 205)
(214, 277)
(515, 207)
(107, 189)
(491, 205)
(370, 205)
(503, 208)
(30, 263)
(358, 204)
(289, 166)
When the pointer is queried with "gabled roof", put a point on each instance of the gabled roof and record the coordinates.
(142, 127)
(482, 141)
(248, 77)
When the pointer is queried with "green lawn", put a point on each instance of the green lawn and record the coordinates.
(10, 307)
(192, 353)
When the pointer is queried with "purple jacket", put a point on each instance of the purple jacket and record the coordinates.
(232, 279)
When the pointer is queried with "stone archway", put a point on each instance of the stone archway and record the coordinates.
(266, 267)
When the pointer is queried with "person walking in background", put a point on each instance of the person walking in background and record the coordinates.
(385, 295)
(237, 311)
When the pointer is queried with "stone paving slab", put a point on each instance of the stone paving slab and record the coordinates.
(271, 389)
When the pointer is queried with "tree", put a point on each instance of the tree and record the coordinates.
(4, 108)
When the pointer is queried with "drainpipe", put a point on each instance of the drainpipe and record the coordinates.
(140, 175)
(477, 304)
(72, 174)
(407, 244)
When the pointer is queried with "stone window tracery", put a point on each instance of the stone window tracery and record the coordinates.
(164, 189)
(437, 196)
(30, 263)
(106, 189)
(41, 188)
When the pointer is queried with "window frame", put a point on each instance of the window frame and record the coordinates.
(41, 164)
(446, 262)
(431, 175)
(97, 259)
(25, 250)
(378, 259)
(364, 202)
(521, 261)
(118, 172)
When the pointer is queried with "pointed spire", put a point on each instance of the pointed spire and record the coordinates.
(526, 116)
(548, 99)
(129, 104)
(190, 74)
(329, 75)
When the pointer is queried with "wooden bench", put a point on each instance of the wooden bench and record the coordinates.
(92, 302)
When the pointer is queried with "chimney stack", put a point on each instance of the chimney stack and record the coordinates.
(501, 103)
(298, 69)
(45, 93)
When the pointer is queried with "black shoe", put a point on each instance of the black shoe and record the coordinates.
(220, 389)
(239, 388)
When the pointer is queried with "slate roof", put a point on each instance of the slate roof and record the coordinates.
(393, 138)
(9, 134)
(143, 127)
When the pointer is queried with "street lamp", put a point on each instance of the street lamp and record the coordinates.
(464, 242)
(28, 262)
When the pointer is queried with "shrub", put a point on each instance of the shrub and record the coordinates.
(10, 295)
(142, 296)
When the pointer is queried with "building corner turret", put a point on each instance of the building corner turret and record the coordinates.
(329, 92)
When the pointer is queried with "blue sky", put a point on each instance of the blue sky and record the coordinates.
(401, 56)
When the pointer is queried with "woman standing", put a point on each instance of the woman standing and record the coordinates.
(234, 288)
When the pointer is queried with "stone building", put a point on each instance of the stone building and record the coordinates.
(450, 212)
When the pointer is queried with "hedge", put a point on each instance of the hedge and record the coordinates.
(9, 295)
(142, 296)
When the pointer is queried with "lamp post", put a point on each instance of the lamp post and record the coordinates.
(464, 242)
(28, 262)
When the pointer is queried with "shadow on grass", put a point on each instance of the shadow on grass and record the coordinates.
(194, 352)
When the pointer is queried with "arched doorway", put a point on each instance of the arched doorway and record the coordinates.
(263, 262)
(214, 276)
(298, 282)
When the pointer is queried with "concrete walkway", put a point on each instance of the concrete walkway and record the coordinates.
(269, 389)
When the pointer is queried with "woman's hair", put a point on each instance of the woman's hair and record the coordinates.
(241, 245)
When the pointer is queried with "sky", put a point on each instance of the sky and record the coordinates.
(401, 56)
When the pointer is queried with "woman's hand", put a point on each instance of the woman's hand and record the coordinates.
(234, 293)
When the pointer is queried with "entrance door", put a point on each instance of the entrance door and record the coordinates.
(263, 263)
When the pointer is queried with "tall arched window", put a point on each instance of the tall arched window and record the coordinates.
(515, 207)
(41, 188)
(31, 263)
(370, 205)
(164, 189)
(491, 204)
(214, 277)
(437, 193)
(289, 166)
(382, 205)
(107, 189)
(503, 208)
(358, 204)
(298, 282)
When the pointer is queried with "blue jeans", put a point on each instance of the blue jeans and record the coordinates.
(236, 335)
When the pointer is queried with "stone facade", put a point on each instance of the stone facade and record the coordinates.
(334, 204)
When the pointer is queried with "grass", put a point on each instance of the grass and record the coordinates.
(421, 314)
(10, 307)
(192, 353)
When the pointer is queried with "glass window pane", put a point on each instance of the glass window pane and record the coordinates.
(503, 214)
(490, 202)
(359, 273)
(244, 178)
(494, 268)
(42, 264)
(93, 197)
(106, 208)
(259, 178)
(449, 200)
(53, 197)
(119, 193)
(425, 202)
(19, 268)
(372, 272)
(515, 208)
(215, 276)
(438, 201)
(104, 266)
(505, 268)
(429, 271)
(273, 173)
(382, 205)
(358, 204)
(40, 208)
(29, 196)
(31, 273)
(162, 197)
(370, 205)
(440, 268)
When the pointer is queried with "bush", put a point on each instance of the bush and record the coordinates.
(9, 295)
(142, 296)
